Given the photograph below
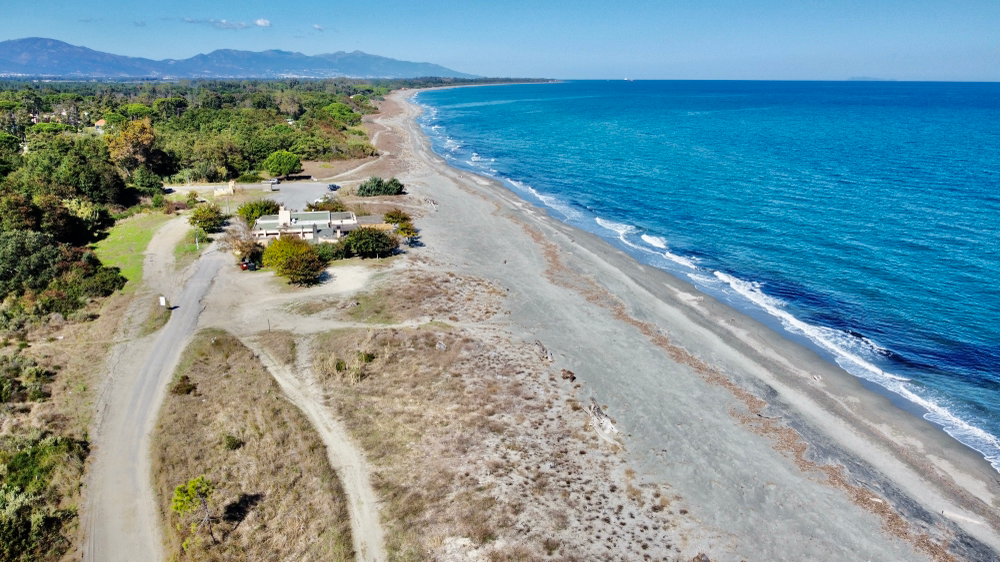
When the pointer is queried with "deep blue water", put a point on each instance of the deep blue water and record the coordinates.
(860, 218)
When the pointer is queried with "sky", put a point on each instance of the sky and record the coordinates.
(951, 40)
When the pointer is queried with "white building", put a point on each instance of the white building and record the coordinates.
(319, 226)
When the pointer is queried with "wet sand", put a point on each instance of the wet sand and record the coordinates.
(778, 453)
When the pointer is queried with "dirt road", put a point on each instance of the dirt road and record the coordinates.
(119, 518)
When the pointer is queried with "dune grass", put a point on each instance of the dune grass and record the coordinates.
(126, 243)
(276, 496)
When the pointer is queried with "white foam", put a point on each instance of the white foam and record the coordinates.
(660, 243)
(849, 352)
(621, 229)
(548, 200)
(655, 241)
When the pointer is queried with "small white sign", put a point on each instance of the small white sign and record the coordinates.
(163, 301)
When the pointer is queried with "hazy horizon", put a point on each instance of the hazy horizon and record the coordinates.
(928, 40)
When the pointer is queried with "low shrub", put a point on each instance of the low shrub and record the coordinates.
(36, 470)
(375, 186)
(371, 243)
(208, 217)
(231, 442)
(333, 251)
(183, 386)
(397, 216)
(331, 204)
(253, 210)
(249, 177)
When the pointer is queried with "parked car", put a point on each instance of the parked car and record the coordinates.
(248, 266)
(333, 187)
(272, 181)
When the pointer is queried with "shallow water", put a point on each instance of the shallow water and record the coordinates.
(860, 218)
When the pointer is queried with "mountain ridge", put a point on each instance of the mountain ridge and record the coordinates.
(43, 57)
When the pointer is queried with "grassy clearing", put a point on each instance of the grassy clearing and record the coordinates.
(125, 244)
(190, 248)
(276, 497)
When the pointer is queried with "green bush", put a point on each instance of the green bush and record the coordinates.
(396, 216)
(147, 181)
(332, 204)
(28, 261)
(371, 242)
(333, 251)
(231, 442)
(35, 471)
(208, 217)
(304, 268)
(375, 186)
(295, 259)
(249, 177)
(343, 113)
(282, 163)
(253, 210)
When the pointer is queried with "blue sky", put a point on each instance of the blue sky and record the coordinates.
(690, 39)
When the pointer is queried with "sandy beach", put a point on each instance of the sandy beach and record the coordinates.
(776, 453)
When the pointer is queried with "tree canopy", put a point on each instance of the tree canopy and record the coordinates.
(371, 242)
(282, 163)
(253, 210)
(295, 259)
(208, 217)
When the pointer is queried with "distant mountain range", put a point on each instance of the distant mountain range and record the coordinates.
(40, 57)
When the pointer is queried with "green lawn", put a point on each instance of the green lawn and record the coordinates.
(187, 251)
(125, 244)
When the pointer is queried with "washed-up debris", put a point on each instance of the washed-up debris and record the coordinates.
(568, 375)
(602, 423)
(542, 352)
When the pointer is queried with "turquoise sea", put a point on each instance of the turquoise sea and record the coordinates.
(859, 218)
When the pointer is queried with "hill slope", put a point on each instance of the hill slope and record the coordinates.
(37, 56)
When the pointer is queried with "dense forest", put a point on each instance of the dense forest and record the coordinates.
(73, 155)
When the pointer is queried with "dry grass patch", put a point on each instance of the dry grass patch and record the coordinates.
(472, 439)
(421, 294)
(280, 344)
(276, 497)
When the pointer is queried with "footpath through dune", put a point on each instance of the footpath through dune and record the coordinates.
(298, 385)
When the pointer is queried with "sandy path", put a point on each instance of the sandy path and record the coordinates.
(298, 385)
(647, 344)
(159, 271)
(119, 517)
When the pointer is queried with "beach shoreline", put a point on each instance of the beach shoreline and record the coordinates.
(758, 380)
